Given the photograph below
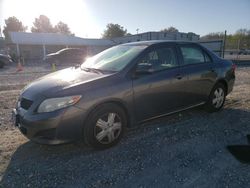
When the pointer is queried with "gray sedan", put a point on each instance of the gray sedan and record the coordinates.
(119, 88)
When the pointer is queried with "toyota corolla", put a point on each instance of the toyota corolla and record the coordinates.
(119, 88)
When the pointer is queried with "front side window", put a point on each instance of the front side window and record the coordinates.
(159, 59)
(207, 58)
(192, 55)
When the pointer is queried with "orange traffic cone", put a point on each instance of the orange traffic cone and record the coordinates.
(19, 67)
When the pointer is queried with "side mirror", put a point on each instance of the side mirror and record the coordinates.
(144, 68)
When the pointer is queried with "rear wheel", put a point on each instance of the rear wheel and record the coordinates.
(105, 126)
(217, 98)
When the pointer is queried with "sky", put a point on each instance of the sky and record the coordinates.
(88, 18)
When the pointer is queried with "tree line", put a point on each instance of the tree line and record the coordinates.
(240, 39)
(42, 24)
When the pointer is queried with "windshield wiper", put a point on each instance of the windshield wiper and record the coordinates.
(87, 69)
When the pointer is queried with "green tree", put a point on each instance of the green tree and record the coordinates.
(170, 29)
(242, 36)
(62, 28)
(13, 24)
(213, 36)
(114, 30)
(241, 39)
(42, 25)
(242, 32)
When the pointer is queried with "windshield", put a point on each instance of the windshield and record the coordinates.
(113, 59)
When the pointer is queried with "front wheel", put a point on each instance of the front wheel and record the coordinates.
(105, 126)
(216, 98)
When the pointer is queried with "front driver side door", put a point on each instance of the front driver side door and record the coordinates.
(156, 90)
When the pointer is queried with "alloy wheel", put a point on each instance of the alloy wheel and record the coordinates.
(219, 97)
(108, 128)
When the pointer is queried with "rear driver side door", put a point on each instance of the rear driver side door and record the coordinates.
(198, 73)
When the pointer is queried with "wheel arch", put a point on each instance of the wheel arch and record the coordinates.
(224, 82)
(117, 102)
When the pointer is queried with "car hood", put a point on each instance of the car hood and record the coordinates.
(60, 81)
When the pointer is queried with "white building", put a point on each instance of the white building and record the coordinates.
(157, 36)
(34, 46)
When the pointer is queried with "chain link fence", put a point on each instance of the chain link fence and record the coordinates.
(237, 49)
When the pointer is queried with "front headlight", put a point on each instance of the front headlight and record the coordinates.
(53, 104)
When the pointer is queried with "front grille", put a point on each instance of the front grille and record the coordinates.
(25, 103)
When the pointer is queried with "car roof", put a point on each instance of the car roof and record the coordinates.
(153, 42)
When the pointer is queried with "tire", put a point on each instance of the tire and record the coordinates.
(216, 98)
(105, 126)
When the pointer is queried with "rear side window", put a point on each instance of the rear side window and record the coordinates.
(193, 55)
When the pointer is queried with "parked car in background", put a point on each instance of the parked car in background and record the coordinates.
(244, 52)
(121, 87)
(66, 56)
(5, 60)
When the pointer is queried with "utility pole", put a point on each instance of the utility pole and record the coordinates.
(224, 43)
(137, 31)
(238, 46)
(238, 49)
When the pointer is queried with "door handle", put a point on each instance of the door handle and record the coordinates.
(178, 76)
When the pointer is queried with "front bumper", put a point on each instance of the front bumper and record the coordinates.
(56, 127)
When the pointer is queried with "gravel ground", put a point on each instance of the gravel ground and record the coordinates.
(183, 150)
(12, 80)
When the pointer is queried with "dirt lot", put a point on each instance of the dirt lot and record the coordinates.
(183, 150)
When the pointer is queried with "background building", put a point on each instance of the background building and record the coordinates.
(158, 36)
(33, 47)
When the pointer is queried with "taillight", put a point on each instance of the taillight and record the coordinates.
(234, 66)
